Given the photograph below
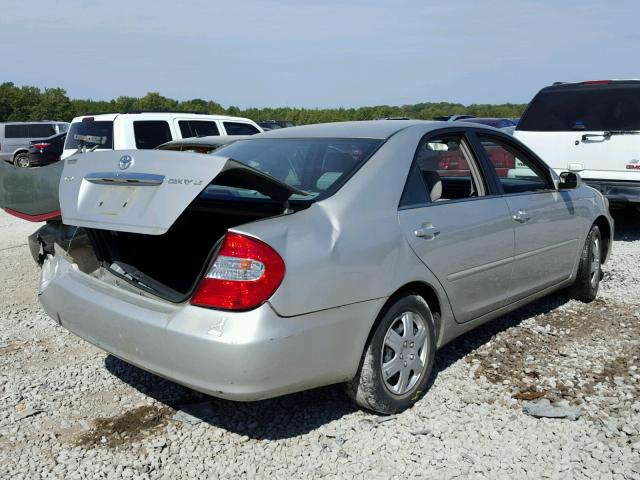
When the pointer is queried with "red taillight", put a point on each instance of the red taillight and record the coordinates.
(41, 145)
(245, 273)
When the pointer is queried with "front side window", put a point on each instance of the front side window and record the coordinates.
(16, 131)
(151, 133)
(238, 128)
(198, 128)
(318, 166)
(517, 173)
(443, 170)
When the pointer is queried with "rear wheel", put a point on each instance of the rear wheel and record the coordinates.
(585, 287)
(22, 160)
(398, 359)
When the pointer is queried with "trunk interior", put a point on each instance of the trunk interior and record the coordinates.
(170, 265)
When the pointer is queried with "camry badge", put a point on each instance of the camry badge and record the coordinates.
(125, 162)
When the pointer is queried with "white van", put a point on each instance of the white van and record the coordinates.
(144, 131)
(592, 128)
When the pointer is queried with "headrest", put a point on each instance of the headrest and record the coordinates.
(434, 184)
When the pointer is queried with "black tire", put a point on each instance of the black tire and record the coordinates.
(585, 287)
(22, 160)
(369, 388)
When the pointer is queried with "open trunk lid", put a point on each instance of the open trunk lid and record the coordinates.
(145, 191)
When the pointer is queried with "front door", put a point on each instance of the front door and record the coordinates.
(547, 221)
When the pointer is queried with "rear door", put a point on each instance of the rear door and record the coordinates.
(567, 127)
(145, 191)
(547, 222)
(456, 225)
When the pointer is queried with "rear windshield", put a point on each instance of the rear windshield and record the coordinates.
(318, 166)
(599, 108)
(98, 129)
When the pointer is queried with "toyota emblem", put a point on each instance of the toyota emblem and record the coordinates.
(125, 162)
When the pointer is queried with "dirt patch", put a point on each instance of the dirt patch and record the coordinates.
(569, 353)
(125, 428)
(11, 347)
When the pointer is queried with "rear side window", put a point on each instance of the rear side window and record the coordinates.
(443, 170)
(103, 130)
(238, 128)
(198, 128)
(597, 107)
(41, 130)
(16, 131)
(151, 133)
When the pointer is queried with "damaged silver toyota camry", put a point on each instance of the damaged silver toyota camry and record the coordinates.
(346, 252)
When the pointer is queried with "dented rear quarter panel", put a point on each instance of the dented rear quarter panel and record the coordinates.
(349, 248)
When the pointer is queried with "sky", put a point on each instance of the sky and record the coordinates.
(328, 53)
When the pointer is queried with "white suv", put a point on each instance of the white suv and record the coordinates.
(144, 131)
(592, 128)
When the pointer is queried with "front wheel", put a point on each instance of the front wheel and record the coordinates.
(585, 287)
(398, 359)
(22, 160)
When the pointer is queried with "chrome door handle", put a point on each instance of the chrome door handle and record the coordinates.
(521, 217)
(427, 231)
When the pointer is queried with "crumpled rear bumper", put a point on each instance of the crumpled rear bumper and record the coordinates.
(240, 356)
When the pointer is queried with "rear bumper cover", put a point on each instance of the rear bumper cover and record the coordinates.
(239, 356)
(616, 191)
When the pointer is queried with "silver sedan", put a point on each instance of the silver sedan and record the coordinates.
(346, 252)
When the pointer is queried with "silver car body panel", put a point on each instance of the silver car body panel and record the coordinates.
(345, 257)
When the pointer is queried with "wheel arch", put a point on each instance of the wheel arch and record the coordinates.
(19, 151)
(606, 234)
(422, 289)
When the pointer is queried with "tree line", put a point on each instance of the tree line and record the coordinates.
(32, 103)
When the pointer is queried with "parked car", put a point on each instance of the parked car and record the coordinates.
(16, 137)
(267, 125)
(492, 122)
(200, 144)
(147, 130)
(452, 118)
(275, 124)
(44, 152)
(312, 255)
(592, 128)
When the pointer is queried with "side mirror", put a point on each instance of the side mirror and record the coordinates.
(569, 180)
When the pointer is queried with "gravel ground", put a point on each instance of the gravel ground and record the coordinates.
(68, 410)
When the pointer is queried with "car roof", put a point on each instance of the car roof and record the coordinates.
(591, 84)
(17, 122)
(381, 129)
(160, 115)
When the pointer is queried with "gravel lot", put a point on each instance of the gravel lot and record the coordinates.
(68, 410)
